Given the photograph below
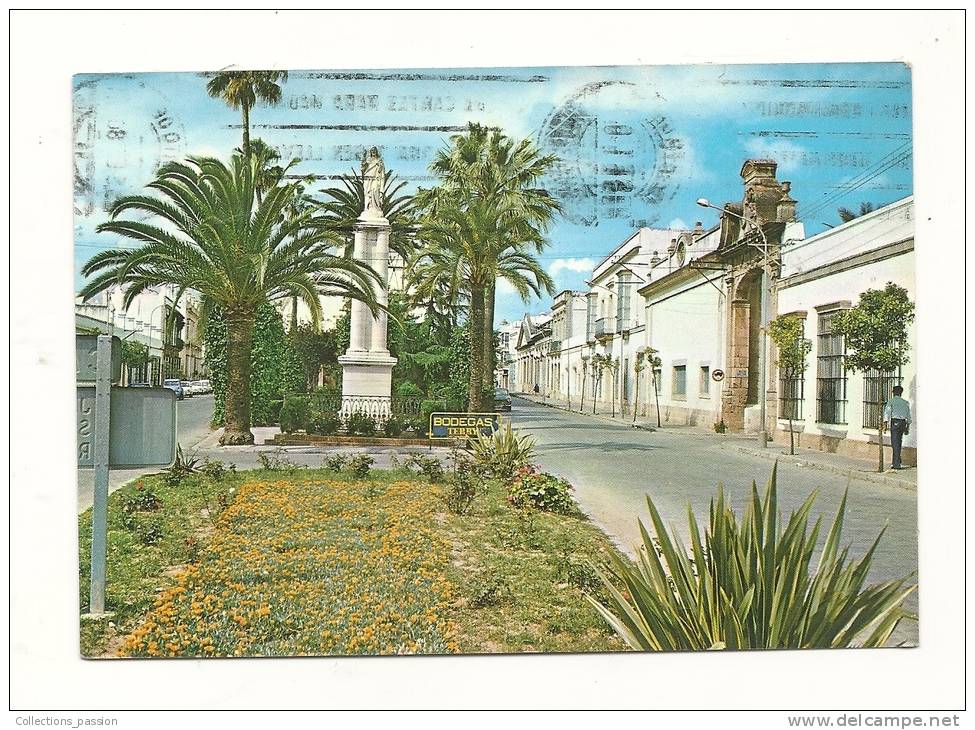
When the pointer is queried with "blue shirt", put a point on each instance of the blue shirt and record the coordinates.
(897, 407)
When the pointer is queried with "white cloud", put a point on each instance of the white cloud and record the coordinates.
(578, 265)
(502, 287)
(787, 154)
(677, 224)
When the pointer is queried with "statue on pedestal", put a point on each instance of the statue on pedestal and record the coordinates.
(373, 180)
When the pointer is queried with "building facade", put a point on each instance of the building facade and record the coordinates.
(533, 348)
(175, 351)
(833, 409)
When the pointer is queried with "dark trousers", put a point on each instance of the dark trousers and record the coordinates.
(897, 428)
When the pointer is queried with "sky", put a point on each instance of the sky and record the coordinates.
(637, 145)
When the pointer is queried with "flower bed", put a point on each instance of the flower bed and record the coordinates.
(309, 567)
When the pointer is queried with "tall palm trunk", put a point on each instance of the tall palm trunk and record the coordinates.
(489, 354)
(476, 327)
(237, 408)
(246, 114)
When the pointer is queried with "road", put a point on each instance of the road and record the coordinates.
(613, 467)
(192, 426)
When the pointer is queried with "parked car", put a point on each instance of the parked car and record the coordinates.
(175, 386)
(202, 386)
(502, 400)
(188, 390)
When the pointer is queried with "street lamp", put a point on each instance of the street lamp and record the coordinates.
(766, 284)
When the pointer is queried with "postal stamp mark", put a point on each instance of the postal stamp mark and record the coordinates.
(122, 134)
(615, 162)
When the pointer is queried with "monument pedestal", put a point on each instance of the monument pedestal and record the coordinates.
(367, 384)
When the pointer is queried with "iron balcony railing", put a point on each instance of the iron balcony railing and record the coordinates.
(554, 347)
(604, 327)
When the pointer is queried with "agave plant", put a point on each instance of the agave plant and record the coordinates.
(504, 452)
(750, 585)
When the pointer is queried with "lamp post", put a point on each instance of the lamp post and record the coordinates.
(766, 284)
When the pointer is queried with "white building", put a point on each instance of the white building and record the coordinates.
(567, 346)
(835, 410)
(176, 354)
(615, 320)
(506, 365)
(532, 348)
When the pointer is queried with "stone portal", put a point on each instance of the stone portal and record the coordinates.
(367, 366)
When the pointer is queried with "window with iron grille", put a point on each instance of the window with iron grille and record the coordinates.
(680, 381)
(623, 302)
(877, 390)
(790, 398)
(705, 385)
(590, 317)
(830, 373)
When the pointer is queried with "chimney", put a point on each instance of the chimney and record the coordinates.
(698, 230)
(786, 210)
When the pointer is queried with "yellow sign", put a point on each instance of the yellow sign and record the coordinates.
(463, 425)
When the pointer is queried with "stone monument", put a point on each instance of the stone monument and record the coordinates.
(367, 367)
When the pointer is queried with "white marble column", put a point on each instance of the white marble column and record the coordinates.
(359, 315)
(380, 262)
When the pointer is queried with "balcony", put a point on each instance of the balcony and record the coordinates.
(554, 347)
(604, 328)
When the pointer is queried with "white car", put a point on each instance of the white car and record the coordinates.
(202, 386)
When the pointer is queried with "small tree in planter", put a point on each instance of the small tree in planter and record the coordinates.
(793, 348)
(585, 371)
(598, 363)
(875, 335)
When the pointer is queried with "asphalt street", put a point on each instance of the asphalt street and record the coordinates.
(614, 467)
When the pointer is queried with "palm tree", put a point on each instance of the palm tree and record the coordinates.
(846, 215)
(485, 165)
(212, 236)
(243, 89)
(344, 204)
(466, 250)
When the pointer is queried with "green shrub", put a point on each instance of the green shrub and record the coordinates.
(750, 585)
(720, 427)
(359, 424)
(393, 428)
(276, 460)
(182, 467)
(504, 452)
(142, 498)
(295, 412)
(360, 464)
(531, 488)
(428, 466)
(335, 462)
(150, 532)
(216, 470)
(324, 424)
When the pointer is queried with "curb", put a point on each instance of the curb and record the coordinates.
(842, 471)
(599, 416)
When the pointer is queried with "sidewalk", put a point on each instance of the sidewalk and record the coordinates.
(864, 469)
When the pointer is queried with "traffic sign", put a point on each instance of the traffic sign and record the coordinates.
(463, 425)
(142, 427)
(86, 356)
(717, 375)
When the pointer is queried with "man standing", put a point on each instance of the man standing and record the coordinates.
(897, 418)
